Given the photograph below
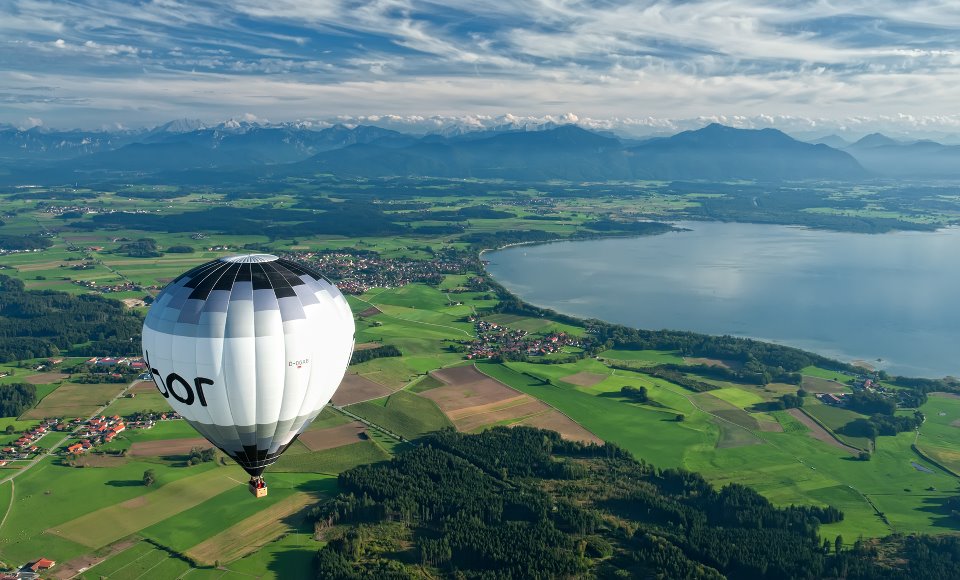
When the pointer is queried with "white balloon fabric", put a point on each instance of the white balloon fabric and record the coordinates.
(249, 349)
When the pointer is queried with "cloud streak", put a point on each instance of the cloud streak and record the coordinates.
(139, 62)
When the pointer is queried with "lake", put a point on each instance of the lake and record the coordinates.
(893, 297)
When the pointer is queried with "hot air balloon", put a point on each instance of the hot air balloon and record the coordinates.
(248, 349)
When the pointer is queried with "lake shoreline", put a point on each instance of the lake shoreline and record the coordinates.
(841, 352)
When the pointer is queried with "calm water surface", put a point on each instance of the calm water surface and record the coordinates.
(892, 297)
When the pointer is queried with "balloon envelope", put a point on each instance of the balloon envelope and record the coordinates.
(249, 349)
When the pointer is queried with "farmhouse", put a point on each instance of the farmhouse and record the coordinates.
(42, 564)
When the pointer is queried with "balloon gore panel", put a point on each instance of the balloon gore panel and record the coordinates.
(249, 349)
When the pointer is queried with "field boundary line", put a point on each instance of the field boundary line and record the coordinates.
(541, 400)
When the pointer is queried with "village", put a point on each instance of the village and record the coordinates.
(89, 433)
(496, 341)
(355, 273)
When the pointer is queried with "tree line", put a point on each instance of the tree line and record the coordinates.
(366, 354)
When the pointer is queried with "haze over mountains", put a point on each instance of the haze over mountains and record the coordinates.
(239, 149)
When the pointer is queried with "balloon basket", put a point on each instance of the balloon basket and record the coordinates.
(258, 491)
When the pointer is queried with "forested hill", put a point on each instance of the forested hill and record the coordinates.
(523, 503)
(42, 323)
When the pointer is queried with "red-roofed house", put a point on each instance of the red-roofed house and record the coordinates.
(42, 564)
(75, 448)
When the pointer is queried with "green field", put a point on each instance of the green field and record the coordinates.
(940, 434)
(109, 524)
(202, 521)
(403, 413)
(720, 435)
(124, 406)
(331, 461)
(834, 418)
(46, 496)
(141, 560)
(651, 357)
(292, 556)
(425, 384)
(328, 418)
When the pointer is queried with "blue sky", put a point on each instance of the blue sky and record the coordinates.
(640, 66)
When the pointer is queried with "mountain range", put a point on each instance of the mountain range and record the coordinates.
(568, 152)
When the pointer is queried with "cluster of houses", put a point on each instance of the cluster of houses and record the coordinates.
(831, 398)
(5, 251)
(72, 209)
(136, 363)
(97, 431)
(101, 430)
(25, 446)
(107, 288)
(357, 273)
(494, 341)
(860, 383)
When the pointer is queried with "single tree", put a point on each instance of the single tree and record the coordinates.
(149, 477)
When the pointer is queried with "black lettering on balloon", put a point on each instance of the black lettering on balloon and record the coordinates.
(198, 383)
(174, 377)
(157, 379)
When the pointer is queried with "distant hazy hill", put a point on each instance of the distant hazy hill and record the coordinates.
(569, 152)
(885, 156)
(835, 141)
(560, 152)
(719, 152)
(40, 144)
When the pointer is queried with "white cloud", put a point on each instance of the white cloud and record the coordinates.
(29, 123)
(635, 65)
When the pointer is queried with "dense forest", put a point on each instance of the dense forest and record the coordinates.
(366, 354)
(16, 398)
(24, 243)
(43, 323)
(524, 503)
